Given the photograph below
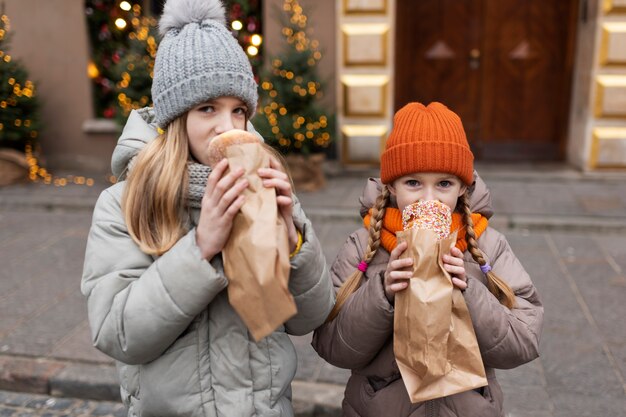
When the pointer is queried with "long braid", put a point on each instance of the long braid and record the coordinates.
(499, 288)
(373, 243)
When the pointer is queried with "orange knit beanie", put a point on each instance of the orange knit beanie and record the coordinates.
(426, 139)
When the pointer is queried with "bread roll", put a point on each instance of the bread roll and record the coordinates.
(428, 215)
(218, 145)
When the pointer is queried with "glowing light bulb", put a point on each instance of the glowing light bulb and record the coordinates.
(256, 40)
(120, 23)
(237, 25)
(125, 6)
(92, 70)
(253, 50)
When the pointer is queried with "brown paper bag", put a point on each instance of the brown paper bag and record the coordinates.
(434, 341)
(256, 255)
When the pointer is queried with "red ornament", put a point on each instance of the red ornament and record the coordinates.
(108, 113)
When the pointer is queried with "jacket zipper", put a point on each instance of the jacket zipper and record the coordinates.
(432, 408)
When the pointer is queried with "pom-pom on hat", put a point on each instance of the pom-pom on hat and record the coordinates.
(426, 139)
(198, 59)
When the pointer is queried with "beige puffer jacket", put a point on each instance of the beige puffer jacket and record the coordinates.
(181, 349)
(360, 338)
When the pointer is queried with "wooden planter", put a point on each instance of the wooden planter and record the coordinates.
(13, 167)
(307, 171)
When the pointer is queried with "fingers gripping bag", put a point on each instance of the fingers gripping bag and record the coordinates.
(256, 255)
(434, 341)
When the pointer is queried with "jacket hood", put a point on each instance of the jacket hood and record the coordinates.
(480, 198)
(140, 129)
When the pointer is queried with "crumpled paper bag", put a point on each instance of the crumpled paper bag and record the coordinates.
(434, 341)
(256, 255)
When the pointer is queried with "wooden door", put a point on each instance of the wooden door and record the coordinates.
(503, 65)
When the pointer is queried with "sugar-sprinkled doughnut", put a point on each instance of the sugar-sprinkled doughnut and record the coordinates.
(429, 215)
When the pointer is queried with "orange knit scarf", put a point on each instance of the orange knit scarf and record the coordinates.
(392, 222)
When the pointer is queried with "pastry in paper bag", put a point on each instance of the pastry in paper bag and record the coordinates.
(256, 255)
(434, 341)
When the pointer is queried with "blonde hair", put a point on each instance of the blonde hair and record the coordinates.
(156, 190)
(496, 285)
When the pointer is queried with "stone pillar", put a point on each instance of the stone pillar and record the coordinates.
(365, 67)
(597, 137)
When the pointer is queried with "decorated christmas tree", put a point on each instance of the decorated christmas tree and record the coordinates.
(108, 25)
(124, 41)
(19, 108)
(290, 117)
(134, 71)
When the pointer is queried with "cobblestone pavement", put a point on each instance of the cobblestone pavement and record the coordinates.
(13, 404)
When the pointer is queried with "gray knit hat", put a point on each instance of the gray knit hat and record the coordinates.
(198, 59)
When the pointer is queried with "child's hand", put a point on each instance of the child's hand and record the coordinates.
(453, 263)
(395, 278)
(221, 202)
(274, 177)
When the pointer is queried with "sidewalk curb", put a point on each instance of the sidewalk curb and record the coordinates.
(98, 382)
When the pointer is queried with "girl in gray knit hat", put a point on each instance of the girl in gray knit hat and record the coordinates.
(153, 272)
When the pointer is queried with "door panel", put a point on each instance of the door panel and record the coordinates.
(525, 93)
(504, 66)
(433, 42)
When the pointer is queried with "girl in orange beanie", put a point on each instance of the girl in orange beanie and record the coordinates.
(427, 157)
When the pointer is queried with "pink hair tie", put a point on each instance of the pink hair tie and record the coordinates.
(362, 266)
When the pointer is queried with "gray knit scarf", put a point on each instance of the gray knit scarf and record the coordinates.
(198, 175)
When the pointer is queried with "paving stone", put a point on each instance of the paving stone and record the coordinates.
(529, 414)
(98, 382)
(26, 375)
(105, 409)
(587, 405)
(14, 399)
(308, 362)
(59, 404)
(528, 400)
(77, 345)
(576, 247)
(41, 331)
(332, 374)
(530, 374)
(615, 248)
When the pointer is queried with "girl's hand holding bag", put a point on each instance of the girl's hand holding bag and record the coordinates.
(256, 255)
(434, 341)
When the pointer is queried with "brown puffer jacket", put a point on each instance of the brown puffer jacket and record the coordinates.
(360, 338)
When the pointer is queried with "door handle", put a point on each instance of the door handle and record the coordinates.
(474, 58)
